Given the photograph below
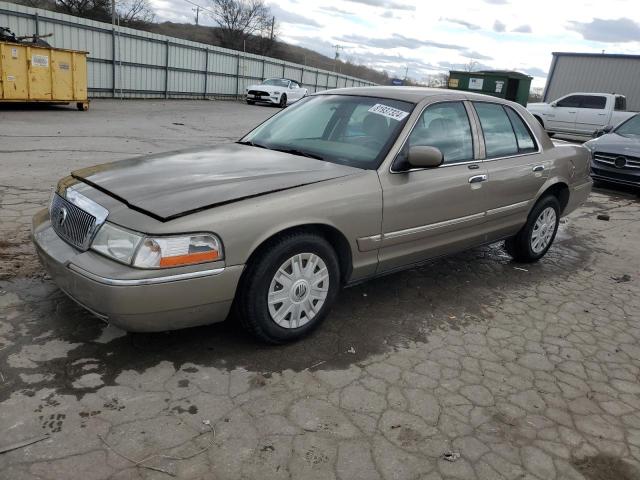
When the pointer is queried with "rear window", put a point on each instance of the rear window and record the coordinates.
(591, 101)
(621, 104)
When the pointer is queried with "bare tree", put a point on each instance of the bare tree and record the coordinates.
(135, 12)
(94, 9)
(471, 66)
(240, 19)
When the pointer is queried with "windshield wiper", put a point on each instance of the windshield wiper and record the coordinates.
(251, 144)
(300, 153)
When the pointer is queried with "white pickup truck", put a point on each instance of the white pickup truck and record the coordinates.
(581, 113)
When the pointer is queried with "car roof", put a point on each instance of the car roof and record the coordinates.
(411, 94)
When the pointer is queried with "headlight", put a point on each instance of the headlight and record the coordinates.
(162, 252)
(116, 242)
(139, 251)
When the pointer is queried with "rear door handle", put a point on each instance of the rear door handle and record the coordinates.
(478, 179)
(538, 168)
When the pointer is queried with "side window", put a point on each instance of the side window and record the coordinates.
(499, 136)
(572, 102)
(525, 140)
(445, 126)
(621, 103)
(595, 102)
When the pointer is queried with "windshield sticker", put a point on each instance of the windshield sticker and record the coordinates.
(388, 112)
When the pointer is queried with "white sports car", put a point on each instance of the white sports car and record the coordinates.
(278, 91)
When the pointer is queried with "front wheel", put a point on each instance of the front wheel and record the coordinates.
(534, 239)
(289, 288)
(283, 101)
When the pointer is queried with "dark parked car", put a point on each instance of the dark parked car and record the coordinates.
(615, 153)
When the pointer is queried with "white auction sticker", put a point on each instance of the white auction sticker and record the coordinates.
(388, 111)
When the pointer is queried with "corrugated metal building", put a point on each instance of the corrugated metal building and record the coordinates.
(124, 62)
(594, 72)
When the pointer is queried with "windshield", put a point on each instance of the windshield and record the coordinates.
(630, 128)
(277, 82)
(349, 130)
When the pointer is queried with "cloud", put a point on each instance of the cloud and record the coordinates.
(285, 16)
(390, 4)
(477, 66)
(601, 30)
(469, 25)
(523, 29)
(397, 41)
(335, 11)
(534, 72)
(476, 55)
(497, 2)
(498, 26)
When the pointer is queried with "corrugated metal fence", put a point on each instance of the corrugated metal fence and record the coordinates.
(137, 64)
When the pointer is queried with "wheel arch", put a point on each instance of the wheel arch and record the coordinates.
(335, 237)
(558, 188)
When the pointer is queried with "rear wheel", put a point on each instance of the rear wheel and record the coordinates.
(250, 102)
(283, 101)
(534, 239)
(289, 288)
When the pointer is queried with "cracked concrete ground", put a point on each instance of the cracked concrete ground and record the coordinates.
(526, 371)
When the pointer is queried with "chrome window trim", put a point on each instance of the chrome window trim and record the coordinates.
(444, 165)
(144, 281)
(535, 137)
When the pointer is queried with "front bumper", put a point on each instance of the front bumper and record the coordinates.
(624, 176)
(133, 299)
(274, 99)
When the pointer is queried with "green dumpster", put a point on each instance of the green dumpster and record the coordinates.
(505, 84)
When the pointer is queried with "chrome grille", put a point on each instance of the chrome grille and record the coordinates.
(619, 161)
(71, 223)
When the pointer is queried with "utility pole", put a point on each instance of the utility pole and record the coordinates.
(406, 72)
(273, 22)
(335, 59)
(197, 10)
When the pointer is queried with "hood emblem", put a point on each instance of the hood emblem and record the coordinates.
(620, 162)
(61, 216)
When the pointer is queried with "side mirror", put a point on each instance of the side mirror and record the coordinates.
(553, 104)
(602, 131)
(424, 157)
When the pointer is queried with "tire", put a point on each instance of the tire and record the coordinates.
(526, 248)
(268, 321)
(283, 101)
(250, 102)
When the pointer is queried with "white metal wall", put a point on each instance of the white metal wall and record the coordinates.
(137, 64)
(595, 73)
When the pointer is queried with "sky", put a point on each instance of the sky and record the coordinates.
(431, 37)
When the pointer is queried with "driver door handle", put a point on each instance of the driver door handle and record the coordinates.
(478, 179)
(538, 168)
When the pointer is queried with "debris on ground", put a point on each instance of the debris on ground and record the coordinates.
(178, 123)
(451, 456)
(141, 463)
(351, 350)
(22, 444)
(318, 364)
(603, 216)
(521, 269)
(622, 278)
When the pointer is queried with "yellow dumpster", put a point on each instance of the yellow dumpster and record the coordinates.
(33, 73)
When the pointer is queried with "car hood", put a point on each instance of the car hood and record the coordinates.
(266, 88)
(616, 144)
(537, 105)
(174, 184)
